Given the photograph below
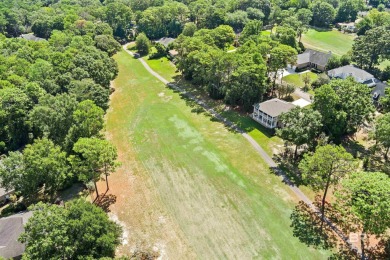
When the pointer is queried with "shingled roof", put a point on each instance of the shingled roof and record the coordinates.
(166, 41)
(315, 57)
(10, 230)
(275, 107)
(352, 71)
(31, 37)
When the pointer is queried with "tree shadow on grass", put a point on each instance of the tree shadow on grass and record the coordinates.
(306, 226)
(289, 167)
(355, 148)
(105, 201)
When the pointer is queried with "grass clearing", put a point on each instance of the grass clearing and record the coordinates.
(164, 67)
(296, 79)
(384, 64)
(335, 41)
(188, 187)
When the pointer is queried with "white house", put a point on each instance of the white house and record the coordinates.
(267, 112)
(359, 75)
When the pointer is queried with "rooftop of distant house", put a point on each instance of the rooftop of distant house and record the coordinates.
(275, 107)
(351, 71)
(166, 41)
(10, 230)
(313, 56)
(31, 37)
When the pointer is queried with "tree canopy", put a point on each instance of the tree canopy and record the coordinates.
(300, 126)
(80, 230)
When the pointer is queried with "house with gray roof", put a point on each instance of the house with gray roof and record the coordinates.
(344, 72)
(313, 59)
(31, 37)
(166, 41)
(267, 112)
(10, 230)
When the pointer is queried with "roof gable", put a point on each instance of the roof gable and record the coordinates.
(275, 107)
(350, 70)
(313, 56)
(10, 230)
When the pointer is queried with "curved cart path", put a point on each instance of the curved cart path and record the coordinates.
(269, 161)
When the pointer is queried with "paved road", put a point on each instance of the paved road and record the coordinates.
(271, 163)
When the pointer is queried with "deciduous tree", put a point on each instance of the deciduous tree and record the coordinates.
(80, 230)
(323, 14)
(300, 126)
(93, 158)
(381, 133)
(142, 44)
(41, 167)
(366, 195)
(325, 168)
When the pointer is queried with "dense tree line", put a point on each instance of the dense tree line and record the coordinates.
(237, 77)
(159, 18)
(49, 82)
(53, 96)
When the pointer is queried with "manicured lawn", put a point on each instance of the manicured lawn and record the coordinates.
(266, 33)
(231, 47)
(164, 67)
(334, 41)
(188, 186)
(263, 136)
(384, 64)
(296, 79)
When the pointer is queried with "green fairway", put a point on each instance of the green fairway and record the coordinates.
(337, 42)
(164, 67)
(187, 185)
(296, 79)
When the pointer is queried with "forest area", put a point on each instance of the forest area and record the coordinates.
(56, 69)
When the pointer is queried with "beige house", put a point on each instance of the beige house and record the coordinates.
(267, 112)
(313, 59)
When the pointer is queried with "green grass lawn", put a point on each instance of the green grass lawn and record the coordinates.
(384, 64)
(296, 79)
(164, 67)
(266, 33)
(231, 47)
(334, 41)
(263, 136)
(189, 185)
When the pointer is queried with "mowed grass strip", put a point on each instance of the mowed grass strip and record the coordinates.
(335, 41)
(264, 137)
(297, 79)
(210, 181)
(164, 67)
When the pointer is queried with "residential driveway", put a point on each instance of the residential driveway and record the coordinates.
(379, 88)
(302, 94)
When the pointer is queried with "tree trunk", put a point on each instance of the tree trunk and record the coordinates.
(386, 157)
(362, 245)
(107, 183)
(323, 201)
(296, 152)
(96, 189)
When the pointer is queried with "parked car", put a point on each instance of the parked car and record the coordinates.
(137, 55)
(370, 82)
